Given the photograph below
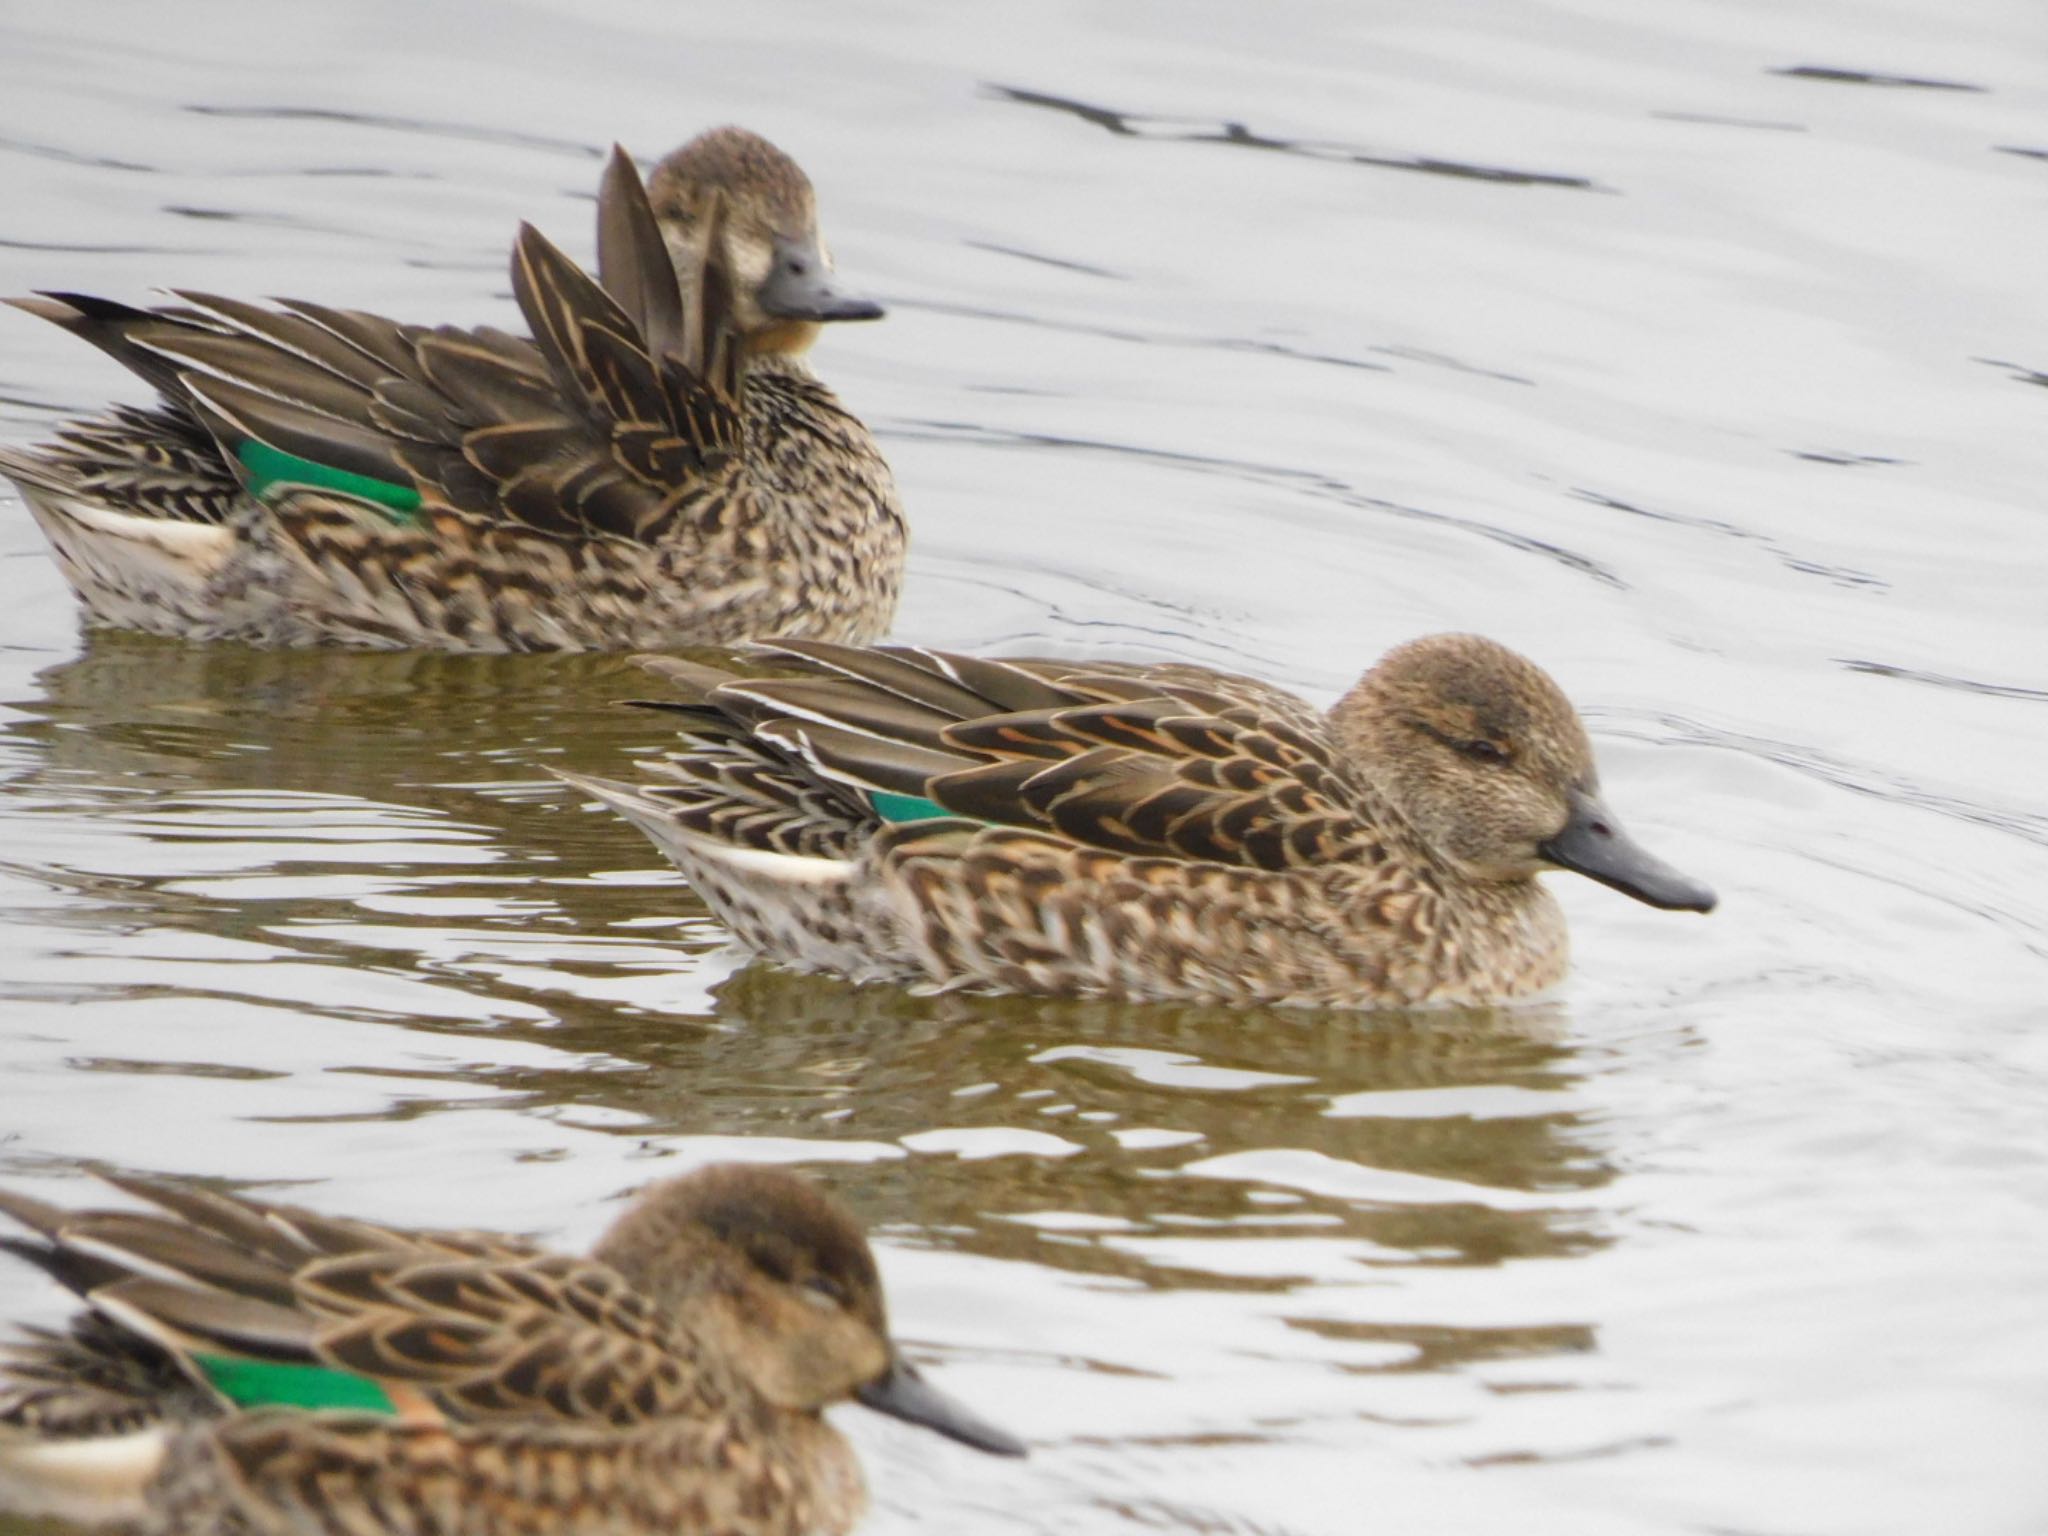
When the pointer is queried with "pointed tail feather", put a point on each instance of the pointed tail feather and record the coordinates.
(28, 470)
(701, 830)
(810, 911)
(114, 327)
(637, 803)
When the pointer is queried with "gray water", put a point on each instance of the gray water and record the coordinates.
(1696, 349)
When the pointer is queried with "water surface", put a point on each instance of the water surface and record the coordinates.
(1695, 351)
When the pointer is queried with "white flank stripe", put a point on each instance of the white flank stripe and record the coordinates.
(187, 541)
(92, 1482)
(782, 868)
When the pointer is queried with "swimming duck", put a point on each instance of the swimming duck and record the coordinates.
(252, 1368)
(656, 466)
(1165, 833)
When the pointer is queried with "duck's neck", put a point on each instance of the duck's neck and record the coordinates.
(1473, 941)
(1448, 936)
(1516, 938)
(828, 1474)
(782, 348)
(798, 1461)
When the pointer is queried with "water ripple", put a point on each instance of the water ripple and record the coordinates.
(1194, 130)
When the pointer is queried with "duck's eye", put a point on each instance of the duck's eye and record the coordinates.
(824, 1291)
(1481, 750)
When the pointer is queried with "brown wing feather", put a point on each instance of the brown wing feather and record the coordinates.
(301, 335)
(490, 1326)
(519, 1338)
(1173, 761)
(619, 414)
(632, 259)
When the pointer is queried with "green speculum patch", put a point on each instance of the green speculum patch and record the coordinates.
(273, 1384)
(272, 469)
(892, 807)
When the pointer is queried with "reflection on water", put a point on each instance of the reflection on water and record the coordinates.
(1130, 1094)
(1699, 362)
(240, 771)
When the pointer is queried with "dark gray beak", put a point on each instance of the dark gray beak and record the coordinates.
(800, 287)
(1593, 843)
(902, 1393)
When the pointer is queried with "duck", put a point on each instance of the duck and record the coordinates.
(258, 1368)
(1148, 833)
(654, 465)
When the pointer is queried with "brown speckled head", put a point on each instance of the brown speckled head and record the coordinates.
(1475, 745)
(783, 273)
(1486, 758)
(768, 1269)
(753, 174)
(777, 1278)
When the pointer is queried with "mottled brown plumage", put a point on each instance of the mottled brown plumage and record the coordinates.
(260, 1369)
(655, 466)
(1142, 832)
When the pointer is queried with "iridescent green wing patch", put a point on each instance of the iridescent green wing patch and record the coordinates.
(272, 469)
(895, 808)
(274, 1384)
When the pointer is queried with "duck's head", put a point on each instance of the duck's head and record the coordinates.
(782, 272)
(779, 1280)
(1488, 760)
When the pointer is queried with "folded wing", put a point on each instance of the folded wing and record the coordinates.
(275, 1306)
(619, 414)
(1175, 761)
